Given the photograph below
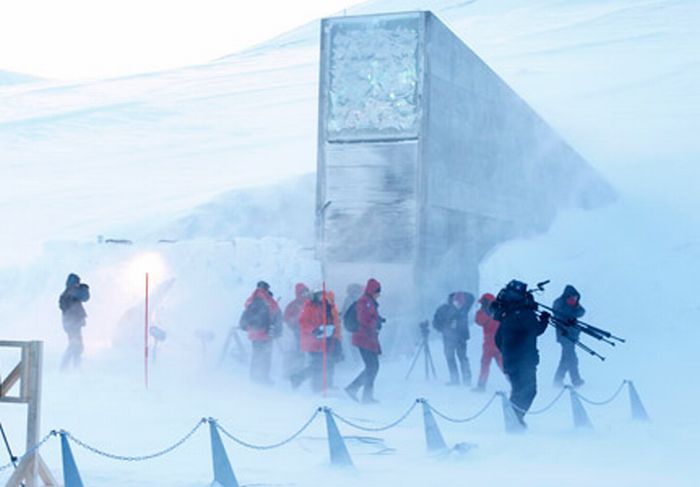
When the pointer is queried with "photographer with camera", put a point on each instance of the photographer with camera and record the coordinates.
(73, 316)
(366, 339)
(515, 308)
(567, 310)
(451, 319)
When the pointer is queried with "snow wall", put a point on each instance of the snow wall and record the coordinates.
(427, 161)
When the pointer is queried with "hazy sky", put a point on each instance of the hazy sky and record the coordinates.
(100, 38)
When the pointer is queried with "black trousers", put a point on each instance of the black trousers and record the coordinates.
(457, 347)
(261, 362)
(568, 363)
(366, 378)
(523, 383)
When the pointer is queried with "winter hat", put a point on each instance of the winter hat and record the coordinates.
(263, 285)
(300, 290)
(373, 286)
(72, 280)
(463, 298)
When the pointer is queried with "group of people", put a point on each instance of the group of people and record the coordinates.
(510, 321)
(316, 327)
(451, 319)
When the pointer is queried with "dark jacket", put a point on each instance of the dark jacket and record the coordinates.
(566, 313)
(71, 304)
(516, 338)
(266, 322)
(451, 321)
(367, 335)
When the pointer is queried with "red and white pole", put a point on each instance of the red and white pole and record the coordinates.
(145, 339)
(323, 344)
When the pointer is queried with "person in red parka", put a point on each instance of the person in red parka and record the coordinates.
(293, 357)
(262, 319)
(312, 340)
(366, 339)
(489, 351)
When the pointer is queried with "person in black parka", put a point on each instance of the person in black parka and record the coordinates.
(73, 316)
(516, 338)
(451, 319)
(567, 310)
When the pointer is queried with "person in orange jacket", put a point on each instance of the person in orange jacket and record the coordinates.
(319, 337)
(262, 319)
(484, 318)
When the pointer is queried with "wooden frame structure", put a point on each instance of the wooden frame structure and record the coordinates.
(27, 373)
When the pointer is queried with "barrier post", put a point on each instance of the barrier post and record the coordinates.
(336, 445)
(433, 437)
(639, 413)
(578, 412)
(71, 476)
(510, 420)
(223, 472)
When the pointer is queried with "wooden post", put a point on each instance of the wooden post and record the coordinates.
(28, 372)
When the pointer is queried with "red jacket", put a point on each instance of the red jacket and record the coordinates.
(487, 322)
(311, 319)
(367, 336)
(256, 335)
(292, 312)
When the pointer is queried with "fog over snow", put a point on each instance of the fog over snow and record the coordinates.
(216, 162)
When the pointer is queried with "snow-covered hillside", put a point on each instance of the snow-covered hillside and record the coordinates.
(218, 160)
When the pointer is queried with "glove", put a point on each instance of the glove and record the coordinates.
(544, 318)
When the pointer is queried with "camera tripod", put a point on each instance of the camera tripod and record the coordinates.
(427, 356)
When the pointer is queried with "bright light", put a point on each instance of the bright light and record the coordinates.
(148, 262)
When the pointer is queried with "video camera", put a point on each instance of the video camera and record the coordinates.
(512, 297)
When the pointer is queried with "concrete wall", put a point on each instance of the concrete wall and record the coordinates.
(427, 161)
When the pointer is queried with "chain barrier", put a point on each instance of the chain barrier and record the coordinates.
(274, 445)
(550, 405)
(135, 458)
(30, 451)
(379, 428)
(467, 419)
(607, 401)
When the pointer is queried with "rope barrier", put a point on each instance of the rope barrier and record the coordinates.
(135, 458)
(607, 401)
(274, 445)
(467, 419)
(380, 428)
(30, 451)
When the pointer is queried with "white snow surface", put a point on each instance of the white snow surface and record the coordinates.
(218, 160)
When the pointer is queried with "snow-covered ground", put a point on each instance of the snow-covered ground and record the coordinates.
(218, 157)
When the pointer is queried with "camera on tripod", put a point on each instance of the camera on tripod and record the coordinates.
(424, 328)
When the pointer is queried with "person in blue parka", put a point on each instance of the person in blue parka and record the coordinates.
(73, 315)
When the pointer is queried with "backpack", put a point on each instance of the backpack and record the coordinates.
(257, 315)
(350, 318)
